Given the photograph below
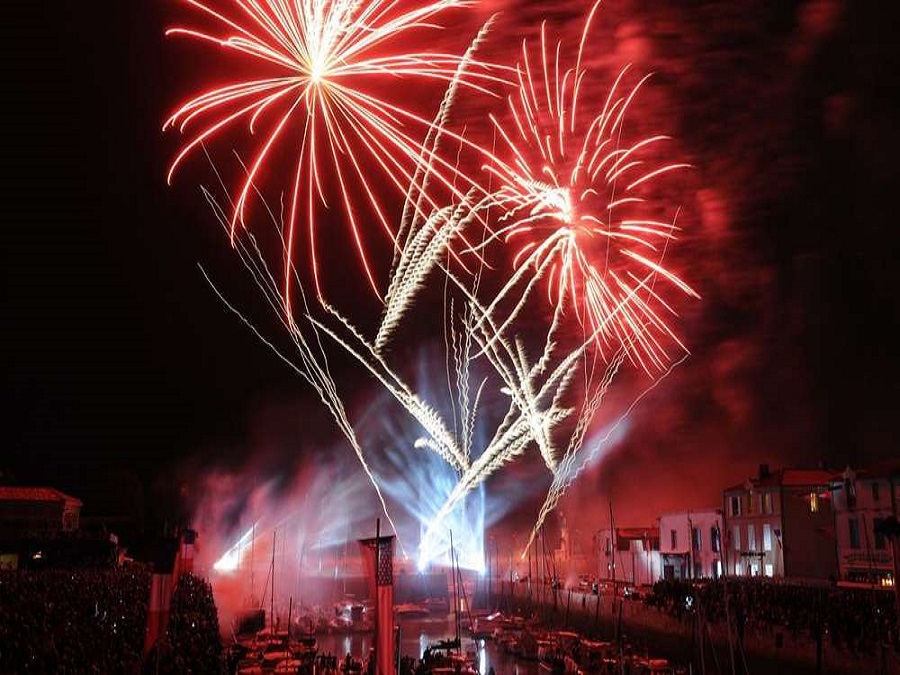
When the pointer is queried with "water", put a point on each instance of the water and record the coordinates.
(417, 634)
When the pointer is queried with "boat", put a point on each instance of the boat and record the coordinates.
(444, 658)
(437, 605)
(410, 611)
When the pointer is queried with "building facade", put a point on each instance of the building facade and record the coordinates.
(629, 555)
(862, 500)
(37, 511)
(690, 544)
(780, 524)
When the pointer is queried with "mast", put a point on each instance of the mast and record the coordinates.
(455, 587)
(377, 567)
(274, 533)
(252, 546)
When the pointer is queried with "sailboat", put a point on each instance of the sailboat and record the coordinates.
(445, 657)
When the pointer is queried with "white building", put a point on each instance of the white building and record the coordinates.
(861, 499)
(629, 555)
(690, 544)
(780, 524)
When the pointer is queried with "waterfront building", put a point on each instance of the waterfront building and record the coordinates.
(629, 555)
(690, 544)
(780, 524)
(861, 500)
(570, 558)
(37, 511)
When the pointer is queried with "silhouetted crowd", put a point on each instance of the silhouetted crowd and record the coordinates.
(74, 621)
(855, 619)
(95, 621)
(192, 643)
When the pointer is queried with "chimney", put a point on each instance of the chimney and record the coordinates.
(763, 471)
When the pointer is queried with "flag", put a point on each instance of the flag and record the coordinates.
(188, 548)
(378, 557)
(162, 585)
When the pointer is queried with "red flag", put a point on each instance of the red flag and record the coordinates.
(161, 587)
(378, 557)
(166, 569)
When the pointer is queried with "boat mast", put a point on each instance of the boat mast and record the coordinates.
(274, 533)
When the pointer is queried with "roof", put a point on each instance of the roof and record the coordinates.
(637, 533)
(714, 511)
(787, 477)
(884, 469)
(9, 493)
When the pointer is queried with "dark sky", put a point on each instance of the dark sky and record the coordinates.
(118, 355)
(116, 351)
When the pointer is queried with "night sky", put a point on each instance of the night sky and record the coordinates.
(120, 361)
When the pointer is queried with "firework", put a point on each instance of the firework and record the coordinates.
(573, 204)
(571, 195)
(324, 95)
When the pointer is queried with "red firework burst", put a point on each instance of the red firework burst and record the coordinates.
(571, 195)
(323, 65)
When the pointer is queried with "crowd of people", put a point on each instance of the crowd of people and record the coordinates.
(857, 619)
(95, 621)
(72, 621)
(192, 643)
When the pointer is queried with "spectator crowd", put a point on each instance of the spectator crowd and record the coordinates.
(73, 621)
(95, 621)
(855, 619)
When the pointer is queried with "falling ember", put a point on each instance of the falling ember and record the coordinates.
(573, 207)
(326, 72)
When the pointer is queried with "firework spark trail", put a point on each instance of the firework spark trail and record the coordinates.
(317, 60)
(570, 470)
(559, 193)
(419, 258)
(550, 195)
(413, 208)
(313, 365)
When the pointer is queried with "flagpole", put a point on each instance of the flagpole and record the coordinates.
(377, 567)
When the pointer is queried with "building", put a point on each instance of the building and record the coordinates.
(37, 511)
(780, 524)
(629, 555)
(690, 544)
(861, 500)
(39, 528)
(571, 558)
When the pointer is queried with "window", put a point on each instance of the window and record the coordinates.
(696, 542)
(737, 569)
(766, 503)
(736, 537)
(813, 502)
(879, 536)
(674, 535)
(854, 532)
(770, 570)
(751, 538)
(749, 504)
(735, 505)
(698, 570)
(875, 492)
(767, 538)
(717, 570)
(715, 539)
(850, 491)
